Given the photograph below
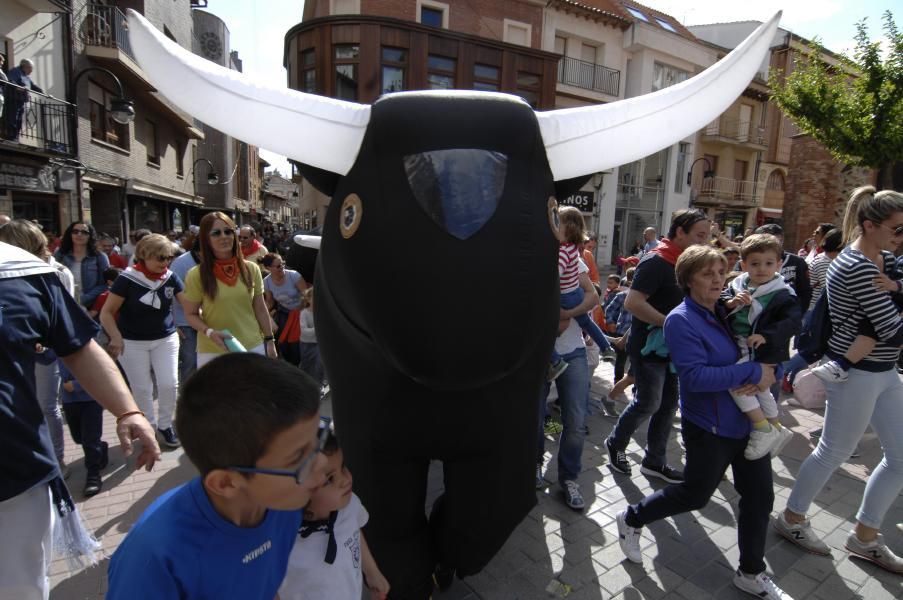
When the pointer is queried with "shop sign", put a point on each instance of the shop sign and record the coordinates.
(25, 177)
(585, 201)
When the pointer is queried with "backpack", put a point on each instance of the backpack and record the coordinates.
(817, 330)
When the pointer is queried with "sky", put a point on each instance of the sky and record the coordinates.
(258, 27)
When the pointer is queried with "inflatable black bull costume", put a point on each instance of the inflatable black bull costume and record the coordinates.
(436, 283)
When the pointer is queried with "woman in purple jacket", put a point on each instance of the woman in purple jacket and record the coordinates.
(715, 431)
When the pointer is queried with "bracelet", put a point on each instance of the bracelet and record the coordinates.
(128, 414)
(269, 338)
(209, 331)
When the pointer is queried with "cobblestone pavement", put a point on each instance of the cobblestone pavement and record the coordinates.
(559, 553)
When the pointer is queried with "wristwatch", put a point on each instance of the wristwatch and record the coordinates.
(209, 331)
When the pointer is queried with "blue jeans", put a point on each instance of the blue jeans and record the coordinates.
(572, 300)
(875, 398)
(573, 391)
(188, 352)
(654, 398)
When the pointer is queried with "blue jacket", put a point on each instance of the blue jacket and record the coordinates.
(704, 354)
(93, 266)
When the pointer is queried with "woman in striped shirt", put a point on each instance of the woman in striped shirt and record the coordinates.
(873, 393)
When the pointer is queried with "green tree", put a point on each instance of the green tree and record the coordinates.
(854, 109)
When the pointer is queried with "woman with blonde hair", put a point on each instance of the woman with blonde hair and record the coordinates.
(144, 337)
(872, 393)
(225, 292)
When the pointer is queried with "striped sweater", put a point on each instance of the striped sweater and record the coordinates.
(852, 297)
(568, 275)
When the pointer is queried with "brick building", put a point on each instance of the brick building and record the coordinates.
(137, 175)
(800, 183)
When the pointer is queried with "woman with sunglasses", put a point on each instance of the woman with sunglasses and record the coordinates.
(282, 292)
(143, 336)
(79, 253)
(870, 391)
(226, 292)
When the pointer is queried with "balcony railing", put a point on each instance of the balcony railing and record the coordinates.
(589, 76)
(104, 26)
(736, 130)
(731, 191)
(33, 119)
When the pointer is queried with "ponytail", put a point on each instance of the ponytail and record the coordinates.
(851, 217)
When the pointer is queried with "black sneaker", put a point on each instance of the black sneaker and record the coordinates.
(617, 459)
(169, 437)
(93, 484)
(663, 472)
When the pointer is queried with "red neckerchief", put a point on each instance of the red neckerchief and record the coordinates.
(255, 246)
(668, 250)
(142, 268)
(226, 270)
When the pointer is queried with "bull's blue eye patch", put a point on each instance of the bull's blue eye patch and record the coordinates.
(459, 189)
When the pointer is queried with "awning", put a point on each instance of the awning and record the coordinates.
(771, 212)
(140, 188)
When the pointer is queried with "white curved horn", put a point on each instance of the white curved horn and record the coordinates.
(308, 241)
(588, 139)
(315, 130)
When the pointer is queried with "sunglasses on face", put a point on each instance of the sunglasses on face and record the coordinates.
(244, 237)
(898, 230)
(164, 258)
(303, 470)
(80, 232)
(219, 232)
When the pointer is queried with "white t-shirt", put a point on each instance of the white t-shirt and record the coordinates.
(572, 338)
(309, 576)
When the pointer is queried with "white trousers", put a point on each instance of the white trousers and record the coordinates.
(137, 359)
(206, 357)
(26, 523)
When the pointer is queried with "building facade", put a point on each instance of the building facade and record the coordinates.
(37, 147)
(139, 174)
(799, 184)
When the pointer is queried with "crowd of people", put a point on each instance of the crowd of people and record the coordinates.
(702, 324)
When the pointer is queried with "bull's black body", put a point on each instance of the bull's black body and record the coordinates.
(436, 347)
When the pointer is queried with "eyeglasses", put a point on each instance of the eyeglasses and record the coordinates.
(219, 232)
(303, 470)
(165, 258)
(244, 237)
(898, 230)
(80, 232)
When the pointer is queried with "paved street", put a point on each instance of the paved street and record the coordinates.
(559, 553)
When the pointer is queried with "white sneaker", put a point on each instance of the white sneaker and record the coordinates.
(801, 534)
(629, 538)
(759, 585)
(830, 372)
(761, 443)
(786, 436)
(875, 551)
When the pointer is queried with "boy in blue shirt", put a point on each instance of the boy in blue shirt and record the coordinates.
(250, 425)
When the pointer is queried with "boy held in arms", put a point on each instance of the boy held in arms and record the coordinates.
(251, 426)
(331, 552)
(764, 316)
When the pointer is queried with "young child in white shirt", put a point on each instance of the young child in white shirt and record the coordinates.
(331, 558)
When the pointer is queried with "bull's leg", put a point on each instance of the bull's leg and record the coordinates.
(398, 533)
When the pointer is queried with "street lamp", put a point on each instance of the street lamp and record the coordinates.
(705, 174)
(212, 177)
(122, 110)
